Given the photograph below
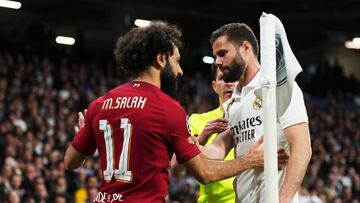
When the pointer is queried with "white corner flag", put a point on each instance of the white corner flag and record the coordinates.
(287, 66)
(279, 68)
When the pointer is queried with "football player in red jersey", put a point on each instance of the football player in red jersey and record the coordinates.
(136, 127)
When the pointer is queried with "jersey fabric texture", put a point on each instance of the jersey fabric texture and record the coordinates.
(221, 191)
(244, 111)
(136, 128)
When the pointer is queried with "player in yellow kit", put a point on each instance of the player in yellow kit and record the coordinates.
(206, 126)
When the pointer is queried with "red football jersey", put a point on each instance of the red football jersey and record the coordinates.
(136, 129)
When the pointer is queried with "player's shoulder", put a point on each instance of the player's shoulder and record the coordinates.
(172, 105)
(159, 97)
(96, 104)
(175, 116)
(196, 120)
(209, 115)
(297, 88)
(195, 116)
(145, 89)
(123, 89)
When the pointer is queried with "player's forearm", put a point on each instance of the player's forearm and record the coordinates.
(220, 147)
(203, 139)
(213, 151)
(219, 170)
(296, 169)
(73, 159)
(208, 171)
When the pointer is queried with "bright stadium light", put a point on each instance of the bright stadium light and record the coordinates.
(353, 44)
(65, 40)
(356, 40)
(10, 4)
(208, 59)
(141, 22)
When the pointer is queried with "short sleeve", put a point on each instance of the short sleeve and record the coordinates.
(178, 123)
(84, 141)
(296, 112)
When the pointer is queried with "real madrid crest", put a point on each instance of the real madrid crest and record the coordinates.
(257, 104)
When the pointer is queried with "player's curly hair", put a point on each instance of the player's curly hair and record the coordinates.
(237, 33)
(136, 50)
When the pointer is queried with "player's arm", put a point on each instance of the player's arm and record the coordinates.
(73, 159)
(220, 147)
(214, 126)
(174, 165)
(207, 171)
(298, 137)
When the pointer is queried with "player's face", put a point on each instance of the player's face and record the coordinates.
(228, 59)
(170, 74)
(223, 89)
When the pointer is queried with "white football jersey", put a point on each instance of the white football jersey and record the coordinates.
(244, 111)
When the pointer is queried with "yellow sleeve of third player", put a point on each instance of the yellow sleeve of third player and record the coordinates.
(197, 124)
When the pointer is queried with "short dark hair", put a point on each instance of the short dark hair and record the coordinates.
(137, 49)
(237, 33)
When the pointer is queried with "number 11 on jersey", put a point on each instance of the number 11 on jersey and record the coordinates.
(121, 173)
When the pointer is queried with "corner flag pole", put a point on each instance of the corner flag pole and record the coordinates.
(268, 66)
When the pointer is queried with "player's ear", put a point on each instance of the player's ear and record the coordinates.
(245, 49)
(160, 61)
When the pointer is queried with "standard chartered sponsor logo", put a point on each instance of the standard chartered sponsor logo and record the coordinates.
(106, 197)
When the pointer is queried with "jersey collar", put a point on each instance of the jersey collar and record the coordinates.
(254, 82)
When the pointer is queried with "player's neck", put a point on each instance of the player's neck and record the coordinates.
(221, 102)
(249, 73)
(151, 76)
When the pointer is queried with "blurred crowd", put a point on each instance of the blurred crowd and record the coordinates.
(40, 97)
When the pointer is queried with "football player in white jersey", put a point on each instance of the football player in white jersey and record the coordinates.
(236, 49)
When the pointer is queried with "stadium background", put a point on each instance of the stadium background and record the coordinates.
(43, 85)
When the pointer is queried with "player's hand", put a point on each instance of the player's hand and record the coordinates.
(215, 126)
(257, 155)
(81, 121)
(282, 158)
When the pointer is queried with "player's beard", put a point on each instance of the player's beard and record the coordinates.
(168, 80)
(235, 69)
